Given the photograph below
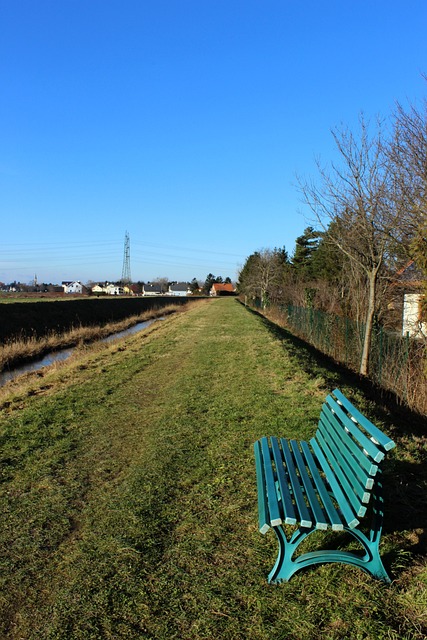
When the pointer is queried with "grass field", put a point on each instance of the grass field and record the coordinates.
(128, 497)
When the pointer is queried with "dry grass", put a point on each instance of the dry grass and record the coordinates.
(16, 351)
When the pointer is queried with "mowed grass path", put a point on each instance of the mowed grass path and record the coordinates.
(128, 497)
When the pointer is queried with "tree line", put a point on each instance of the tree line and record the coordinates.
(369, 219)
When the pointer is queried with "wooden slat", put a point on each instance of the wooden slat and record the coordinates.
(352, 497)
(371, 448)
(376, 433)
(287, 504)
(320, 519)
(263, 515)
(270, 483)
(332, 512)
(357, 457)
(341, 443)
(343, 503)
(304, 514)
(355, 476)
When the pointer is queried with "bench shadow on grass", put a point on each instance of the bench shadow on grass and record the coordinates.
(405, 475)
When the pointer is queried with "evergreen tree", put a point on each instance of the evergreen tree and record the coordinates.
(194, 285)
(327, 260)
(306, 246)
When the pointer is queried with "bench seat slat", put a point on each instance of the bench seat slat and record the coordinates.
(320, 519)
(287, 504)
(263, 513)
(270, 484)
(378, 435)
(357, 480)
(332, 512)
(304, 514)
(339, 495)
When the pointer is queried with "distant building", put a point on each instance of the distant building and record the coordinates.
(413, 321)
(152, 290)
(109, 289)
(410, 282)
(112, 289)
(131, 289)
(181, 289)
(98, 290)
(221, 289)
(75, 286)
(135, 289)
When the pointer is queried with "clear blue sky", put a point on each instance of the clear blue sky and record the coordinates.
(183, 122)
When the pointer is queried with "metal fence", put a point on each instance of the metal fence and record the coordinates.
(396, 363)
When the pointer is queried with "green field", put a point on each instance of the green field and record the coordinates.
(128, 497)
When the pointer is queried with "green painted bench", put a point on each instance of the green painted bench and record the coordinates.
(333, 482)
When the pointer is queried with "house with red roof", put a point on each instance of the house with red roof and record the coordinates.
(222, 289)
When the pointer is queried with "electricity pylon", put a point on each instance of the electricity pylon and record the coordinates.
(126, 277)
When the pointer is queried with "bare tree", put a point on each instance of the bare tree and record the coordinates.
(353, 202)
(162, 282)
(408, 155)
(262, 274)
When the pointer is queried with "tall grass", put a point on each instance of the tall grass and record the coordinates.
(128, 494)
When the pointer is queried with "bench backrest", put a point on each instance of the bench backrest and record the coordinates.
(349, 450)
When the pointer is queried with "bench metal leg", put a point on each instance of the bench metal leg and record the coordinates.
(286, 566)
(370, 562)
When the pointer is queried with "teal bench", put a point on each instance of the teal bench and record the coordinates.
(333, 482)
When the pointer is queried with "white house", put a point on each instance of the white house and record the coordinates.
(113, 289)
(72, 287)
(410, 280)
(181, 289)
(108, 288)
(413, 321)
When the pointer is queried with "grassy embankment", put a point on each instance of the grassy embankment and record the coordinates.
(129, 501)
